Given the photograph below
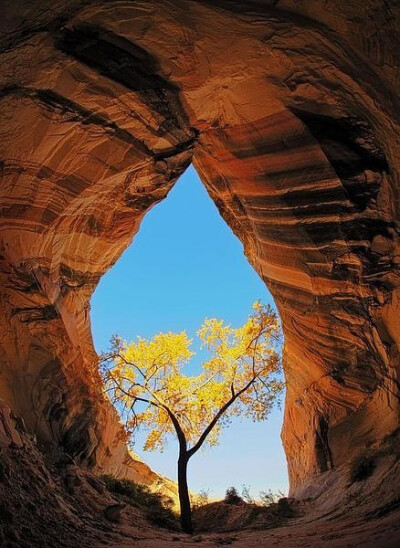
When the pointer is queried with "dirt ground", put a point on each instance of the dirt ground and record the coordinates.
(52, 503)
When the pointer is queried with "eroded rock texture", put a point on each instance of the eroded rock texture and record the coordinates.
(290, 113)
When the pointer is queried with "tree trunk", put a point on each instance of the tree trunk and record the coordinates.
(184, 499)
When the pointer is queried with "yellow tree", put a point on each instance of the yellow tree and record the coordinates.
(145, 379)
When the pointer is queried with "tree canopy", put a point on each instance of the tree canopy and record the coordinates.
(147, 381)
(147, 378)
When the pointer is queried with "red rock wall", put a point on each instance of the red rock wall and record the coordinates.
(290, 112)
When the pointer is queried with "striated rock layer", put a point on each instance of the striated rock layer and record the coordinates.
(290, 113)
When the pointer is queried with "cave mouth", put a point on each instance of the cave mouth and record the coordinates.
(184, 265)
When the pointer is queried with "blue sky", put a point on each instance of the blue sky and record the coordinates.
(184, 265)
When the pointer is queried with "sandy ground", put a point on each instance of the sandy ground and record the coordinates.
(303, 532)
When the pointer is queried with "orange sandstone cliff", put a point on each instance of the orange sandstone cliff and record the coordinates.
(290, 113)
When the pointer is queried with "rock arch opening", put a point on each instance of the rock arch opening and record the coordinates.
(185, 265)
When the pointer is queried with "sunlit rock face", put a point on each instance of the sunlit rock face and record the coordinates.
(290, 113)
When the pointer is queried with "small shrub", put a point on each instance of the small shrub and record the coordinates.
(202, 498)
(232, 496)
(362, 469)
(268, 497)
(246, 496)
(284, 508)
(157, 507)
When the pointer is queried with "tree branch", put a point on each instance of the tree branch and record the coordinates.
(218, 415)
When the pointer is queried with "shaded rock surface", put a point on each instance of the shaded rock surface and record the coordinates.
(290, 113)
(47, 502)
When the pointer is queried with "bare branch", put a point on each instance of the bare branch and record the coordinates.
(214, 421)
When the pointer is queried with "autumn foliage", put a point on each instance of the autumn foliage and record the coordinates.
(146, 379)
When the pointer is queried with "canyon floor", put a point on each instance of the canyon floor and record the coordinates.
(301, 533)
(48, 501)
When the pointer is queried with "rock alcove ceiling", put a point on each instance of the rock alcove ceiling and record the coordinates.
(290, 113)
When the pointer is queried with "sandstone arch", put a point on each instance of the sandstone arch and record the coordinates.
(290, 115)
